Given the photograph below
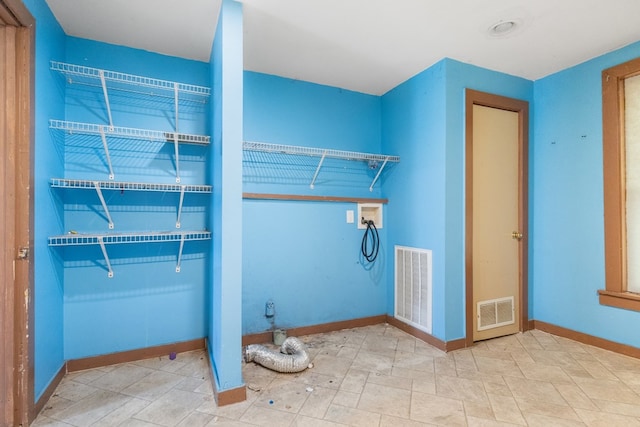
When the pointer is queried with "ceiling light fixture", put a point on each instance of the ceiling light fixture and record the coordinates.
(502, 28)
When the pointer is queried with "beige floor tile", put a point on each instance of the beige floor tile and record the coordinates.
(437, 410)
(153, 385)
(615, 391)
(346, 398)
(597, 369)
(413, 361)
(380, 344)
(385, 400)
(44, 421)
(171, 408)
(90, 410)
(526, 389)
(121, 377)
(498, 366)
(304, 421)
(123, 413)
(445, 366)
(331, 365)
(542, 372)
(267, 417)
(354, 380)
(575, 397)
(460, 388)
(605, 419)
(351, 416)
(483, 422)
(407, 345)
(373, 362)
(74, 391)
(283, 395)
(506, 409)
(390, 381)
(225, 422)
(632, 410)
(196, 419)
(547, 409)
(537, 420)
(317, 402)
(424, 386)
(478, 410)
(389, 421)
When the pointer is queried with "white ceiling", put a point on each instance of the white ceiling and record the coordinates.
(367, 46)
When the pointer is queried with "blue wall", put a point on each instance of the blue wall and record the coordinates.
(48, 275)
(146, 303)
(567, 203)
(423, 121)
(225, 300)
(303, 255)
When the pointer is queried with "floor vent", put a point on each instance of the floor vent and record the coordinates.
(413, 287)
(495, 313)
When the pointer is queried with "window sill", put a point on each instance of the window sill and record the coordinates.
(626, 300)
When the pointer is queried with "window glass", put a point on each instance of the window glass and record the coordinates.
(632, 168)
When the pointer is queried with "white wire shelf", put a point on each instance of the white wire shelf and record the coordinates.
(316, 152)
(98, 186)
(145, 237)
(97, 74)
(130, 133)
(374, 160)
(134, 186)
(121, 238)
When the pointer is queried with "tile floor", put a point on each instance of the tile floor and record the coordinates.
(371, 376)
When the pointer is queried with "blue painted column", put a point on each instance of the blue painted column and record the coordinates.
(225, 311)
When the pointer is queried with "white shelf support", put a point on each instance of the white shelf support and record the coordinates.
(96, 184)
(180, 253)
(106, 152)
(176, 146)
(180, 205)
(175, 97)
(106, 97)
(315, 175)
(106, 256)
(378, 174)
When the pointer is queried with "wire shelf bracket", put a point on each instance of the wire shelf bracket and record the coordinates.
(378, 174)
(315, 175)
(106, 257)
(180, 253)
(96, 185)
(106, 152)
(103, 83)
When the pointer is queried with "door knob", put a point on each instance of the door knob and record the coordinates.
(516, 235)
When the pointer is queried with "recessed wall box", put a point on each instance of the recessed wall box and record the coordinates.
(369, 212)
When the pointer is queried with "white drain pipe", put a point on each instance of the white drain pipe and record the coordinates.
(293, 356)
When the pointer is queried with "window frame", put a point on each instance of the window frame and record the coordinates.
(613, 153)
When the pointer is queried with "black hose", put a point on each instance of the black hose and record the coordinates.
(370, 234)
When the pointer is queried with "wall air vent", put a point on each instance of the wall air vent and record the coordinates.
(413, 276)
(495, 313)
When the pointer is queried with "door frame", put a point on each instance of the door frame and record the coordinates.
(474, 97)
(17, 148)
